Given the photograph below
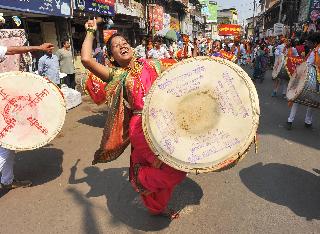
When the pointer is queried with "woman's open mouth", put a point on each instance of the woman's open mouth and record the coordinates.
(124, 51)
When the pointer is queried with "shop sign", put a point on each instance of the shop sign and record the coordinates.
(213, 12)
(314, 11)
(101, 7)
(278, 29)
(134, 9)
(46, 7)
(156, 17)
(229, 29)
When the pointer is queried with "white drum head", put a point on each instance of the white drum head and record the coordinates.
(297, 82)
(279, 63)
(201, 114)
(32, 111)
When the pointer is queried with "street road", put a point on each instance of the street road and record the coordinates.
(274, 191)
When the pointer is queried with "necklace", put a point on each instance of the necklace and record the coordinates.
(135, 72)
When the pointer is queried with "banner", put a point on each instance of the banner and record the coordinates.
(12, 37)
(229, 29)
(314, 11)
(292, 63)
(213, 12)
(205, 7)
(101, 7)
(46, 7)
(156, 17)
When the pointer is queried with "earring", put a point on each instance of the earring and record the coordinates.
(112, 59)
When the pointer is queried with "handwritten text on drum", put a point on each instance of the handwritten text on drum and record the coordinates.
(187, 82)
(16, 105)
(206, 145)
(228, 97)
(164, 121)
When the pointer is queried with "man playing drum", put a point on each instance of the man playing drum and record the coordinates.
(6, 156)
(282, 51)
(313, 58)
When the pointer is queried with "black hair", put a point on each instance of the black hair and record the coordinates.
(157, 39)
(64, 41)
(108, 47)
(314, 38)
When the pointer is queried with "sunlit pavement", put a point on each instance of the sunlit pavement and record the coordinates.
(274, 191)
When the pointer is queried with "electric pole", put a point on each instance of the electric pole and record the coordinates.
(280, 11)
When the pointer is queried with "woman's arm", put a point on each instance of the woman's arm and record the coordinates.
(87, 60)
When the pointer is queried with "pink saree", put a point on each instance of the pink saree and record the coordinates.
(135, 84)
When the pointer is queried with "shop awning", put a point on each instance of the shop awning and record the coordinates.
(45, 7)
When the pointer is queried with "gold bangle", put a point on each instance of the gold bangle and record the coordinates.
(91, 31)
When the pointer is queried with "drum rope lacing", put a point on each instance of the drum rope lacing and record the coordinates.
(235, 158)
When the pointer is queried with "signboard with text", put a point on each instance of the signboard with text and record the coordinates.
(229, 29)
(46, 7)
(278, 29)
(100, 7)
(213, 12)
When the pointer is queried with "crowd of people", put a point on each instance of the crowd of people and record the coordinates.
(132, 70)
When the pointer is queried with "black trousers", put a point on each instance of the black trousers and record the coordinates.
(70, 80)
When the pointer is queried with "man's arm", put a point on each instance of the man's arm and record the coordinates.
(25, 49)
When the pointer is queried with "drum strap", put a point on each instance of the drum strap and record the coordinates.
(137, 112)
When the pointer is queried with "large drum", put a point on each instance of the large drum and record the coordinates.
(32, 111)
(303, 87)
(201, 115)
(279, 69)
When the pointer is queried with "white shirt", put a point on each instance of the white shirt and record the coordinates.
(294, 52)
(3, 51)
(141, 51)
(242, 49)
(158, 54)
(270, 48)
(279, 49)
(4, 152)
(311, 58)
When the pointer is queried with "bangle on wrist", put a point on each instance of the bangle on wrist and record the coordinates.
(91, 31)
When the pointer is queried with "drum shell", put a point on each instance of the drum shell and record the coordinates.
(283, 74)
(309, 95)
(33, 110)
(149, 113)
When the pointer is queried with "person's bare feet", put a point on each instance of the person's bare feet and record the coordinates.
(171, 214)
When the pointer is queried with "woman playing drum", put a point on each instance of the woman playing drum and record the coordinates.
(128, 81)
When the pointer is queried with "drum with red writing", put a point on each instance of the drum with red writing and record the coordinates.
(32, 110)
(201, 115)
